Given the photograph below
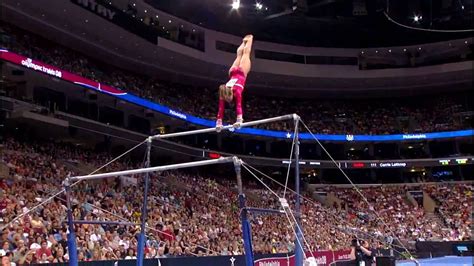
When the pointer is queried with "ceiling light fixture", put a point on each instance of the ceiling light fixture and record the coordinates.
(235, 4)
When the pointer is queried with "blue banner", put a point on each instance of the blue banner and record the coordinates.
(288, 135)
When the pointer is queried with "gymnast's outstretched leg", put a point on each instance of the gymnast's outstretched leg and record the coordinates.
(244, 66)
(235, 86)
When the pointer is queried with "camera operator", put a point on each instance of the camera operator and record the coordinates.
(361, 255)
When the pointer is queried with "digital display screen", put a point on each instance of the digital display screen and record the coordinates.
(371, 164)
(455, 161)
(358, 165)
(442, 173)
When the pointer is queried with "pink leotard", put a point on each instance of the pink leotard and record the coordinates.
(237, 83)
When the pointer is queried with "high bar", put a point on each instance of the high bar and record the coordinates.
(153, 169)
(212, 129)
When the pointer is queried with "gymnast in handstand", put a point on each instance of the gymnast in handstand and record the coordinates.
(234, 88)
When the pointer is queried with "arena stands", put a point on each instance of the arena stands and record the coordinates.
(191, 214)
(404, 218)
(455, 206)
(377, 116)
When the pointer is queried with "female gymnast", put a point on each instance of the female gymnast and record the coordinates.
(235, 86)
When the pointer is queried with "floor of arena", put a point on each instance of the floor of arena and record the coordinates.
(444, 261)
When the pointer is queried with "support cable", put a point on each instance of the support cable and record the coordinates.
(56, 194)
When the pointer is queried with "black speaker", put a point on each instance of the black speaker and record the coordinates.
(385, 261)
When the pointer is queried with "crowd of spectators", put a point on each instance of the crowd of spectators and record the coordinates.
(455, 206)
(190, 215)
(401, 216)
(377, 116)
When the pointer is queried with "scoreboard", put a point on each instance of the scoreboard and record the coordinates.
(359, 164)
(394, 163)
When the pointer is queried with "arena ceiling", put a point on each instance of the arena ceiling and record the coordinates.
(329, 23)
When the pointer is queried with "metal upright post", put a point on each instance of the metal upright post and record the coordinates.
(246, 228)
(299, 239)
(141, 238)
(71, 237)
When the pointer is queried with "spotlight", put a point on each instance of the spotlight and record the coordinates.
(462, 7)
(417, 18)
(235, 4)
(258, 6)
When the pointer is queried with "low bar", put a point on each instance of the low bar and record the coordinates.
(154, 169)
(104, 222)
(213, 129)
(265, 211)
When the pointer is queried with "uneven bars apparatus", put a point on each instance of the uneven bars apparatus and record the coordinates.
(140, 254)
